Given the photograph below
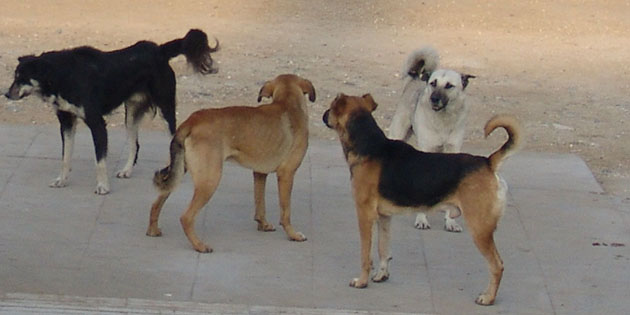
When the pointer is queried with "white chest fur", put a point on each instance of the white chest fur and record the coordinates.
(59, 103)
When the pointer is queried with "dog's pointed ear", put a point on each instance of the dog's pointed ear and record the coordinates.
(307, 88)
(266, 90)
(465, 78)
(370, 101)
(425, 77)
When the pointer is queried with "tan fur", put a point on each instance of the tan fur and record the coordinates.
(480, 195)
(266, 139)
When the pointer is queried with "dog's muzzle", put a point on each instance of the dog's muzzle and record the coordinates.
(438, 101)
(325, 118)
(14, 92)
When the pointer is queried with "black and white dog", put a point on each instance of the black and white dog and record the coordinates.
(87, 83)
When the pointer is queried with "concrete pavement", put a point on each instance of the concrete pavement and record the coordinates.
(565, 244)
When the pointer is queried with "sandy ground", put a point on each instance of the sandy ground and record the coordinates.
(562, 67)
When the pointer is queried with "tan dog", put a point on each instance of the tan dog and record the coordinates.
(390, 176)
(266, 139)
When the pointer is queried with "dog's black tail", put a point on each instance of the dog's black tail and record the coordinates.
(196, 49)
(166, 179)
(421, 63)
(513, 128)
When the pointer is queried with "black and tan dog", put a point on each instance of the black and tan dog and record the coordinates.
(266, 139)
(390, 176)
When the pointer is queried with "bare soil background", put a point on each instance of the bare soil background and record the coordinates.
(562, 67)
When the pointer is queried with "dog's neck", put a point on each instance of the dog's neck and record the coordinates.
(365, 137)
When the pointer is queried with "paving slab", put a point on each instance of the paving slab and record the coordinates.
(565, 243)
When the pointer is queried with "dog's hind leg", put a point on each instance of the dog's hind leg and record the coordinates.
(482, 221)
(134, 111)
(384, 236)
(205, 164)
(156, 208)
(454, 145)
(68, 123)
(99, 136)
(484, 240)
(260, 180)
(285, 185)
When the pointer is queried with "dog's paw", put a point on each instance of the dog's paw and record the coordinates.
(101, 189)
(357, 283)
(381, 276)
(266, 227)
(421, 222)
(124, 174)
(451, 226)
(298, 237)
(485, 299)
(155, 232)
(203, 248)
(58, 182)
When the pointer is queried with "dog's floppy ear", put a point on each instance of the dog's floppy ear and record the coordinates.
(307, 87)
(25, 58)
(370, 101)
(266, 90)
(465, 78)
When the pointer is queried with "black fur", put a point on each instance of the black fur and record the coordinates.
(414, 71)
(97, 82)
(409, 177)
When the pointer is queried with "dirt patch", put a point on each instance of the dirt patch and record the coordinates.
(562, 67)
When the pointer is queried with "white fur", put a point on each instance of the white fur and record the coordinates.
(102, 182)
(27, 89)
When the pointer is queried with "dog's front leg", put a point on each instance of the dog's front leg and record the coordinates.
(285, 185)
(68, 123)
(384, 236)
(99, 136)
(366, 211)
(260, 180)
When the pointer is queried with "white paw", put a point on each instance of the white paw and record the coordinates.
(357, 283)
(59, 182)
(451, 226)
(298, 237)
(124, 174)
(484, 299)
(421, 222)
(102, 189)
(381, 275)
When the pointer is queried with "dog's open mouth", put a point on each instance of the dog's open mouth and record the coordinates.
(438, 106)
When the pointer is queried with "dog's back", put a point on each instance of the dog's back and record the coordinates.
(408, 177)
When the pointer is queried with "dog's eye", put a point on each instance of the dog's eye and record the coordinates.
(448, 85)
(434, 83)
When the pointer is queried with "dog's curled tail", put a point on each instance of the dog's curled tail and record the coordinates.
(196, 49)
(514, 130)
(421, 63)
(166, 179)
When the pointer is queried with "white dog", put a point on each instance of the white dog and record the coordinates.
(432, 107)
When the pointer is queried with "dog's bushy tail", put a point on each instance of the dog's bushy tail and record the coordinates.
(167, 179)
(421, 63)
(514, 130)
(196, 49)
